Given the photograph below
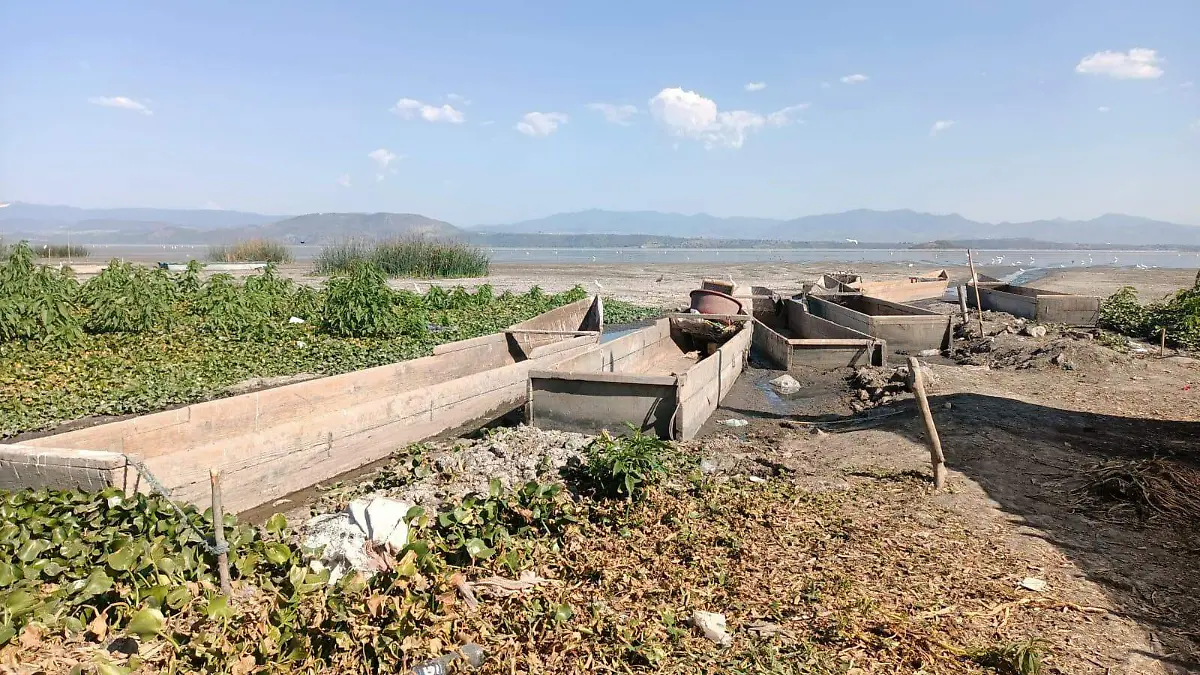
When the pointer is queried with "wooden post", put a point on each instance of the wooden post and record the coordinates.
(214, 477)
(935, 443)
(975, 284)
(1162, 343)
(962, 302)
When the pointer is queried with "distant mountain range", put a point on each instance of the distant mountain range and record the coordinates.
(862, 225)
(39, 223)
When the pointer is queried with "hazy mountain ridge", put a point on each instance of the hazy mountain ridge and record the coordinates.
(582, 228)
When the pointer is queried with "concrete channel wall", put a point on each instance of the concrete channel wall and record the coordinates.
(796, 340)
(1038, 305)
(903, 327)
(270, 443)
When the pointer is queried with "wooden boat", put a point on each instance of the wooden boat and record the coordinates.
(921, 286)
(273, 442)
(1037, 304)
(661, 379)
(795, 340)
(904, 327)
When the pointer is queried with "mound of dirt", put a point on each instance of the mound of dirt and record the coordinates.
(1056, 351)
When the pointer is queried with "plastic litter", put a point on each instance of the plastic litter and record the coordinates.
(712, 626)
(734, 423)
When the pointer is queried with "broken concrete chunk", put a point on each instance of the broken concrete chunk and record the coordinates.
(1034, 331)
(786, 384)
(733, 423)
(712, 626)
(929, 352)
(343, 537)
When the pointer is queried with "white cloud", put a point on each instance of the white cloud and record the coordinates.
(756, 86)
(783, 116)
(687, 114)
(458, 98)
(1103, 109)
(409, 108)
(344, 180)
(212, 206)
(1187, 85)
(122, 102)
(940, 126)
(617, 114)
(856, 78)
(1136, 64)
(540, 123)
(382, 157)
(488, 123)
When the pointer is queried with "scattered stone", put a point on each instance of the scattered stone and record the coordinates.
(756, 479)
(343, 537)
(708, 466)
(786, 384)
(1034, 331)
(295, 319)
(929, 352)
(817, 431)
(733, 423)
(712, 626)
(948, 405)
(1033, 584)
(1059, 359)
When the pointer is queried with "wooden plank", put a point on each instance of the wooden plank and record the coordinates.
(534, 331)
(627, 378)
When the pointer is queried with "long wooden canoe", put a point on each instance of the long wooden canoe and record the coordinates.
(276, 441)
(659, 379)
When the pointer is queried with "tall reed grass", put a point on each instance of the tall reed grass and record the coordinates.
(251, 250)
(414, 257)
(61, 251)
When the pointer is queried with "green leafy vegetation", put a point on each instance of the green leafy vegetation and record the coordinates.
(1179, 314)
(1014, 658)
(63, 251)
(251, 250)
(132, 340)
(413, 257)
(618, 312)
(625, 466)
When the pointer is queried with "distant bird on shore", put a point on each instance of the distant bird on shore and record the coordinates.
(659, 279)
(853, 241)
(597, 282)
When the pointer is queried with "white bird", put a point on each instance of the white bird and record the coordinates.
(416, 287)
(1114, 260)
(597, 282)
(853, 241)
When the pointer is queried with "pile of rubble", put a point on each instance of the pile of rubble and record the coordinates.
(873, 386)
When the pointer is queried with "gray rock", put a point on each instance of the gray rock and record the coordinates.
(1034, 331)
(786, 384)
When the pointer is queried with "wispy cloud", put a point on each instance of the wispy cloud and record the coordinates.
(344, 180)
(617, 114)
(382, 158)
(856, 78)
(1103, 109)
(940, 126)
(487, 123)
(122, 102)
(540, 123)
(825, 85)
(1136, 64)
(756, 86)
(458, 98)
(1187, 85)
(411, 108)
(686, 114)
(784, 116)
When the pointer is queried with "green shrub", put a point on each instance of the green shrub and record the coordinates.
(1016, 658)
(1121, 312)
(360, 304)
(125, 299)
(1179, 314)
(229, 311)
(414, 257)
(625, 466)
(251, 250)
(36, 303)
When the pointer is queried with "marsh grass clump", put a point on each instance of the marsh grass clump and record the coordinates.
(410, 257)
(251, 250)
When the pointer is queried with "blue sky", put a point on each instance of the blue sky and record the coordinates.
(1046, 107)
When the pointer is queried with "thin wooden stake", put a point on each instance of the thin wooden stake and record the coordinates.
(975, 284)
(1162, 343)
(935, 443)
(214, 477)
(962, 303)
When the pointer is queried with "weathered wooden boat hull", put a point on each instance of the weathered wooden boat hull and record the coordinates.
(795, 340)
(645, 379)
(918, 287)
(1038, 305)
(273, 442)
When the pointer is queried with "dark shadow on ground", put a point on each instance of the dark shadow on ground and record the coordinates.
(1031, 460)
